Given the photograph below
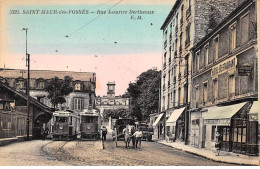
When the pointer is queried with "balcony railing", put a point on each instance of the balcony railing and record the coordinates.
(188, 12)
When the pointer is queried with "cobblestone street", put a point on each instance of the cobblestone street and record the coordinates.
(90, 153)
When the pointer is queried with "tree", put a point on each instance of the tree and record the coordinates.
(57, 89)
(144, 94)
(115, 113)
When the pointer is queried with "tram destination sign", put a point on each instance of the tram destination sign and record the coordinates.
(244, 70)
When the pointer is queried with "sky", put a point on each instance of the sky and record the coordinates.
(114, 46)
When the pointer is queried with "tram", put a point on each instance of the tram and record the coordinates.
(90, 125)
(65, 125)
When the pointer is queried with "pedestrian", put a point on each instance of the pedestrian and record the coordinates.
(104, 133)
(218, 143)
(43, 131)
(138, 137)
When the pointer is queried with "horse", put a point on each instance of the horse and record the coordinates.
(128, 134)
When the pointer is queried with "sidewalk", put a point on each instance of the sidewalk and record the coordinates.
(226, 157)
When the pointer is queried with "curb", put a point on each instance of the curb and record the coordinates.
(243, 164)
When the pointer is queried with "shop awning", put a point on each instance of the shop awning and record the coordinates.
(253, 113)
(158, 119)
(174, 116)
(222, 115)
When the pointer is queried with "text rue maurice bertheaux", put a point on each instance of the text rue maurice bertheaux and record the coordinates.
(134, 14)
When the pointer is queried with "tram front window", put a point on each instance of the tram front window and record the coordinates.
(87, 119)
(61, 119)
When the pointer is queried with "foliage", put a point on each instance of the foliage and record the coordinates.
(144, 94)
(115, 113)
(58, 88)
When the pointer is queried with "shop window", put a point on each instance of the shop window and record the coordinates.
(7, 106)
(228, 134)
(235, 135)
(1, 106)
(243, 135)
(213, 132)
(239, 135)
(20, 84)
(7, 122)
(41, 85)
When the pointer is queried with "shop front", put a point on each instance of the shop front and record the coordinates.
(175, 124)
(223, 120)
(158, 127)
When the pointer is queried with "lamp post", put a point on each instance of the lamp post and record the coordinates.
(28, 86)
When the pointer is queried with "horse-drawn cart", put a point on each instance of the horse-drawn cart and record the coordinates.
(120, 125)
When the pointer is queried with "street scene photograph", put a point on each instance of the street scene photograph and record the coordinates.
(129, 83)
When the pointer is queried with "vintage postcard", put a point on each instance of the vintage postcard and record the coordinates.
(129, 83)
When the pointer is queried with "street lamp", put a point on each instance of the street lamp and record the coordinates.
(28, 86)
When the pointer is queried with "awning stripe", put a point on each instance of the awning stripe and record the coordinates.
(255, 108)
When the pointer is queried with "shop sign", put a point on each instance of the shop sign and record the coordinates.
(224, 66)
(217, 122)
(244, 70)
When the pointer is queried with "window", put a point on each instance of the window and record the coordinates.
(205, 92)
(41, 84)
(77, 86)
(7, 122)
(168, 105)
(179, 96)
(233, 36)
(181, 21)
(196, 93)
(187, 41)
(216, 47)
(174, 97)
(206, 55)
(197, 60)
(245, 28)
(77, 103)
(231, 86)
(20, 84)
(215, 89)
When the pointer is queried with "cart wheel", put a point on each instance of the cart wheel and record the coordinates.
(116, 137)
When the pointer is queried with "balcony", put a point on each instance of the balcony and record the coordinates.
(174, 79)
(188, 12)
(165, 43)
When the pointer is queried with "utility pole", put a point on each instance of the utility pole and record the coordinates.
(28, 87)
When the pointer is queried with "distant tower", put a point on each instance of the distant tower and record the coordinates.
(111, 89)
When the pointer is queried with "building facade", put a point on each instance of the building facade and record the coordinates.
(82, 96)
(187, 23)
(13, 114)
(225, 84)
(111, 101)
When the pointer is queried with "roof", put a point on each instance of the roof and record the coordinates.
(170, 14)
(24, 96)
(48, 74)
(204, 40)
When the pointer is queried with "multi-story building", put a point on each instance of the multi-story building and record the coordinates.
(82, 96)
(187, 23)
(225, 84)
(13, 114)
(111, 101)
